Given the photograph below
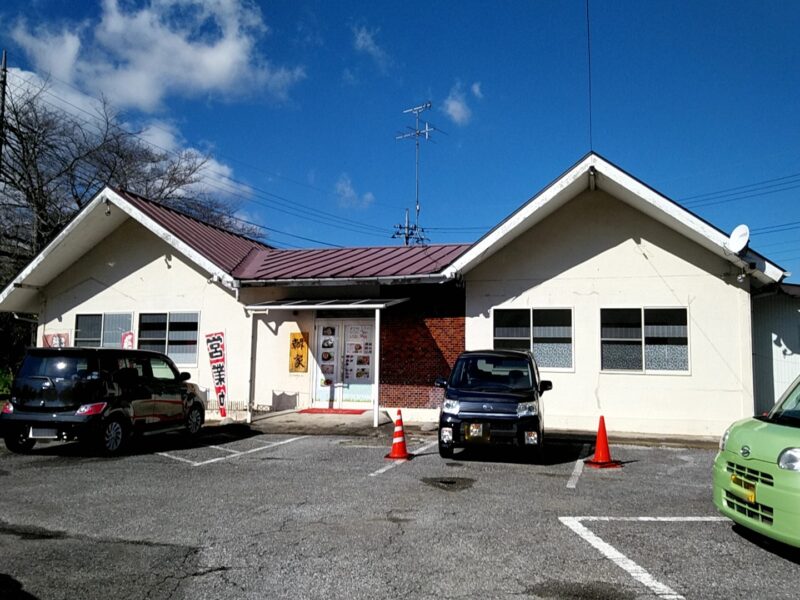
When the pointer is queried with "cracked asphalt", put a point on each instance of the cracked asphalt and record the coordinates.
(245, 514)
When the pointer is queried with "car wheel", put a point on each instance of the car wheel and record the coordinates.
(19, 442)
(445, 451)
(112, 436)
(194, 420)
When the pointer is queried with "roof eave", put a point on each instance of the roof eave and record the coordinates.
(334, 281)
(627, 188)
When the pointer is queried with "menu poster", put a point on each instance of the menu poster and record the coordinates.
(358, 354)
(327, 350)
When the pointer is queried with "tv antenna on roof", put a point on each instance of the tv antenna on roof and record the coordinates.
(414, 233)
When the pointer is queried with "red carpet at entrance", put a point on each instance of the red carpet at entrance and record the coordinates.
(332, 411)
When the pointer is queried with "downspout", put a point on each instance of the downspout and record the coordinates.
(377, 377)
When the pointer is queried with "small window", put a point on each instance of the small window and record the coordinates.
(545, 331)
(88, 330)
(621, 339)
(104, 330)
(552, 338)
(173, 334)
(666, 341)
(662, 344)
(512, 329)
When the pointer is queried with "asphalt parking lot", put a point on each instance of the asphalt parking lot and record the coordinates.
(243, 514)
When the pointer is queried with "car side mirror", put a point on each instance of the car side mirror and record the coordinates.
(185, 376)
(440, 382)
(545, 385)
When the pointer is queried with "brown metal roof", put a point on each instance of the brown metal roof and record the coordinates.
(223, 248)
(348, 263)
(247, 259)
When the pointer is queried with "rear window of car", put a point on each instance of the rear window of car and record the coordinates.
(55, 367)
(474, 372)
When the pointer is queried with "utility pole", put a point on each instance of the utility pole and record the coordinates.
(3, 76)
(414, 233)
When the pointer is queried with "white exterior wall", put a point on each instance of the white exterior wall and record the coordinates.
(598, 252)
(776, 346)
(133, 271)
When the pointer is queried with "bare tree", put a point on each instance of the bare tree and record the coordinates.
(53, 163)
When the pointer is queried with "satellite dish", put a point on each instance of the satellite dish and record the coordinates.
(739, 238)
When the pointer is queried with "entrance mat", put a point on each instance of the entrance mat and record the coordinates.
(332, 411)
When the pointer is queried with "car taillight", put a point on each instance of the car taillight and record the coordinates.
(91, 409)
(8, 408)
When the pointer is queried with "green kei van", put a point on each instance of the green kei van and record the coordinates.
(757, 471)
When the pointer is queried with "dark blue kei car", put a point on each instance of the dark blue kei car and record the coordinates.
(492, 397)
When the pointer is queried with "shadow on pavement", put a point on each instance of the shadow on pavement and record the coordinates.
(151, 444)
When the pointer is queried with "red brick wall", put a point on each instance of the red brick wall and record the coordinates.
(420, 341)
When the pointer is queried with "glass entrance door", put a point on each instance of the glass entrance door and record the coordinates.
(345, 363)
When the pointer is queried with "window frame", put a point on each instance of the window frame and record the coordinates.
(166, 338)
(642, 337)
(531, 336)
(102, 316)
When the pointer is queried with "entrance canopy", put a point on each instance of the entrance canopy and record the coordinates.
(317, 304)
(375, 304)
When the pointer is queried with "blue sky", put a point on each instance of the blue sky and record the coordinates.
(299, 103)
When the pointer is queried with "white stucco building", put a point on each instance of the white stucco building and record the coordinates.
(635, 308)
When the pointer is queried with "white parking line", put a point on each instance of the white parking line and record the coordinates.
(224, 449)
(235, 455)
(393, 464)
(576, 472)
(634, 570)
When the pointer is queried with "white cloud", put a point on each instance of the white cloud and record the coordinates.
(53, 52)
(138, 56)
(348, 197)
(476, 90)
(456, 107)
(364, 41)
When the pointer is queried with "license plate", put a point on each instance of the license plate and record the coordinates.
(45, 433)
(476, 431)
(745, 491)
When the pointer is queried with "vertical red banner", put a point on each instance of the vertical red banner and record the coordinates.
(215, 343)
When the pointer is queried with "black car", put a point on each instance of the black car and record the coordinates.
(97, 395)
(492, 397)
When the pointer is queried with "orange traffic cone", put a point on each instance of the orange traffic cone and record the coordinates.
(602, 455)
(398, 451)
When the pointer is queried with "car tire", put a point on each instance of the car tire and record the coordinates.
(113, 436)
(445, 451)
(19, 442)
(194, 421)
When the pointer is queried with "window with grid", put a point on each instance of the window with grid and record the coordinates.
(545, 331)
(650, 339)
(173, 334)
(101, 330)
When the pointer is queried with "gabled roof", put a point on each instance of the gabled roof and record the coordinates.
(229, 258)
(594, 171)
(350, 264)
(213, 249)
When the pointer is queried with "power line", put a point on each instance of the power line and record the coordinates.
(341, 222)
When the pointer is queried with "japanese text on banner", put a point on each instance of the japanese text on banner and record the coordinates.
(215, 343)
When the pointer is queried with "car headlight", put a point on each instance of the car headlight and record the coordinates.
(724, 439)
(450, 406)
(790, 459)
(527, 409)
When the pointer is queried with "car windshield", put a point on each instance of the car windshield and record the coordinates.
(485, 373)
(787, 410)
